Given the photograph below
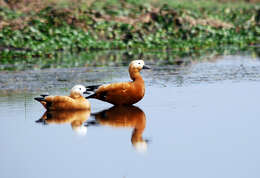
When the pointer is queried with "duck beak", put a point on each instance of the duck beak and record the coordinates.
(146, 67)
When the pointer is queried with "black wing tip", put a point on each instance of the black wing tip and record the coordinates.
(44, 95)
(92, 123)
(41, 120)
(86, 92)
(92, 87)
(39, 99)
(91, 96)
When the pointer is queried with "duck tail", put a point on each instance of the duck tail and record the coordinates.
(91, 96)
(41, 120)
(40, 99)
(44, 95)
(92, 87)
(92, 123)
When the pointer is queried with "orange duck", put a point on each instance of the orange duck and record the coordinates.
(124, 116)
(75, 118)
(124, 93)
(75, 101)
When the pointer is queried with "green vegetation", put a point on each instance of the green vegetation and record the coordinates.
(49, 31)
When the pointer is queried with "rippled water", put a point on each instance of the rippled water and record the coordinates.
(196, 120)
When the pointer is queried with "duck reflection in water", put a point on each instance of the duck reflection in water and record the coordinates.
(75, 118)
(124, 116)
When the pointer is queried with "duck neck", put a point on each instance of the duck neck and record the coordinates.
(136, 76)
(75, 95)
(137, 135)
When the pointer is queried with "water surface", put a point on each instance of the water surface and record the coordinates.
(196, 120)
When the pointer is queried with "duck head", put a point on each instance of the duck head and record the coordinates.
(77, 91)
(135, 67)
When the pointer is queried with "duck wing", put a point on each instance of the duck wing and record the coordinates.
(55, 102)
(114, 90)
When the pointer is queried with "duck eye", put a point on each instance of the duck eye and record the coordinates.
(79, 88)
(139, 63)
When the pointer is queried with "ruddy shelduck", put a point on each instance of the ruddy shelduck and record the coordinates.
(124, 117)
(75, 101)
(75, 118)
(124, 93)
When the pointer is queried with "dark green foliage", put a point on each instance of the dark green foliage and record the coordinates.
(51, 30)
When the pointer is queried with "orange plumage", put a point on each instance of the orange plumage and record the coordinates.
(124, 93)
(75, 101)
(125, 116)
(75, 118)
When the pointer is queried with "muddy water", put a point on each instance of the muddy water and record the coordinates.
(196, 120)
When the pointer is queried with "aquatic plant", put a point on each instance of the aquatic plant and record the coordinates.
(185, 29)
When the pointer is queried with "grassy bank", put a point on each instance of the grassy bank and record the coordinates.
(30, 29)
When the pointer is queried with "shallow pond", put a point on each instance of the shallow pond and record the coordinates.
(196, 120)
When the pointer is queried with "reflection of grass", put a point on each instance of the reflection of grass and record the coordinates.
(185, 27)
(121, 57)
